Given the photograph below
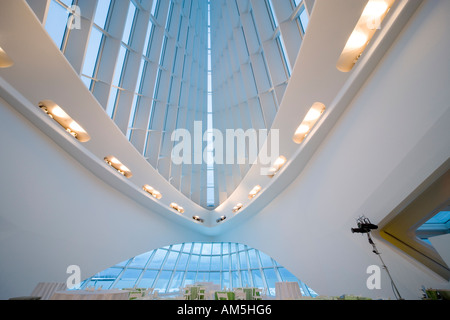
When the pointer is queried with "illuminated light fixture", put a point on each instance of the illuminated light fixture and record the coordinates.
(370, 21)
(311, 118)
(254, 192)
(116, 164)
(177, 208)
(155, 193)
(198, 219)
(5, 60)
(222, 218)
(279, 163)
(64, 120)
(238, 207)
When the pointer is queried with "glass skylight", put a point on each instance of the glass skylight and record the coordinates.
(436, 226)
(57, 19)
(168, 269)
(157, 66)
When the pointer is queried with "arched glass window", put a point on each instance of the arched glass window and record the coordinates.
(168, 269)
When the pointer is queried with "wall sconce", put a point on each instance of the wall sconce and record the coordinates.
(311, 118)
(371, 19)
(254, 192)
(177, 208)
(116, 164)
(155, 193)
(64, 120)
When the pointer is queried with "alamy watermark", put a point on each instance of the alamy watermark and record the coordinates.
(374, 280)
(235, 146)
(74, 280)
(74, 21)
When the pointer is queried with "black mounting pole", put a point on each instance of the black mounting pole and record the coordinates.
(375, 250)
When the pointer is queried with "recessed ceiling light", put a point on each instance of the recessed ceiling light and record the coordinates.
(5, 60)
(177, 208)
(371, 19)
(155, 193)
(222, 218)
(254, 192)
(64, 120)
(310, 120)
(116, 164)
(238, 207)
(279, 163)
(198, 219)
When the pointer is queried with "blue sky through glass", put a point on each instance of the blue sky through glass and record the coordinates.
(229, 265)
(56, 23)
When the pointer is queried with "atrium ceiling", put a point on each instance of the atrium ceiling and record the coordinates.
(161, 66)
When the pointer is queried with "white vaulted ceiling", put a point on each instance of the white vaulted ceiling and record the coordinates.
(165, 65)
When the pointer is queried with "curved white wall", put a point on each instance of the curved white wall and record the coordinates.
(55, 213)
(390, 139)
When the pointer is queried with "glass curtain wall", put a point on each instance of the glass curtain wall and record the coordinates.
(160, 65)
(168, 269)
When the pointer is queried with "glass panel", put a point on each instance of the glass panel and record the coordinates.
(169, 277)
(190, 278)
(68, 3)
(163, 281)
(119, 66)
(202, 277)
(436, 226)
(176, 247)
(266, 261)
(157, 259)
(286, 275)
(182, 262)
(101, 13)
(128, 278)
(129, 24)
(271, 278)
(176, 281)
(111, 273)
(147, 38)
(235, 281)
(193, 263)
(304, 19)
(245, 278)
(257, 279)
(148, 278)
(206, 249)
(197, 248)
(234, 262)
(226, 248)
(187, 247)
(154, 7)
(253, 259)
(226, 280)
(217, 247)
(205, 263)
(56, 23)
(171, 260)
(226, 262)
(243, 260)
(215, 263)
(214, 277)
(92, 52)
(141, 260)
